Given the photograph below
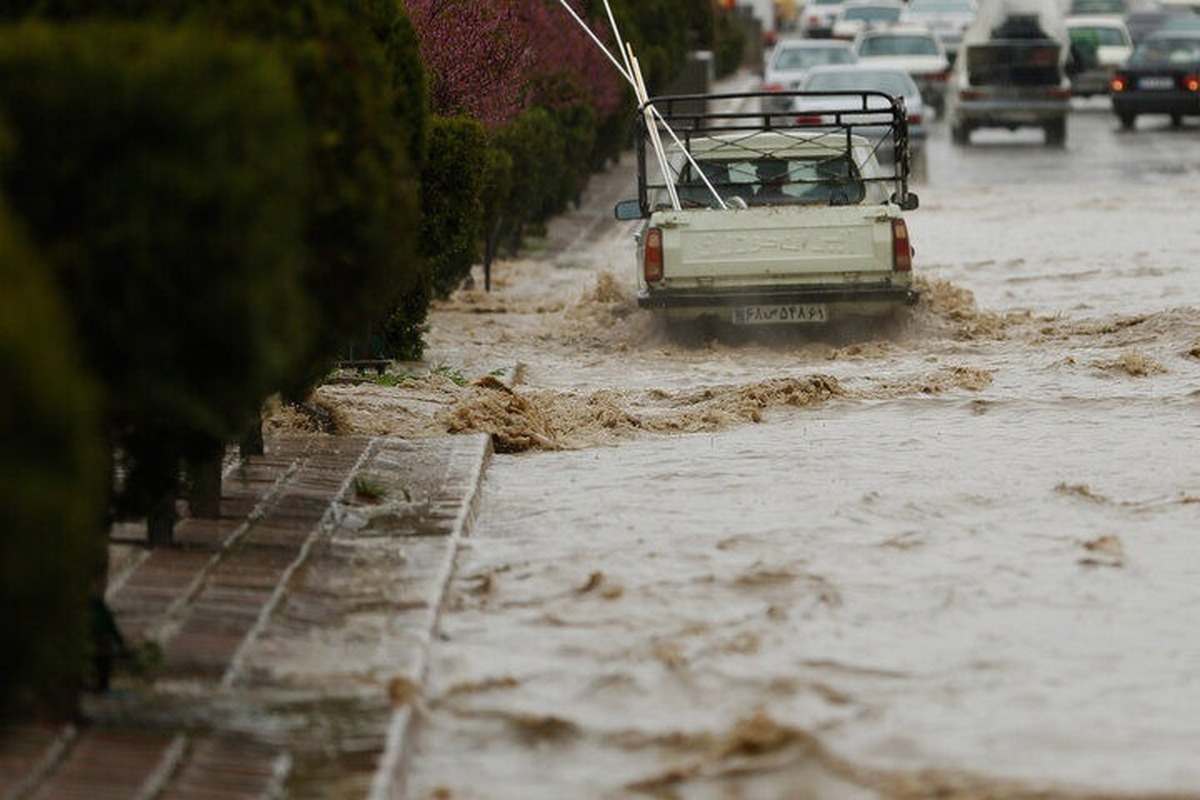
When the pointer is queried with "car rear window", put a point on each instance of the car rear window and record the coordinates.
(872, 13)
(1098, 35)
(898, 45)
(804, 57)
(1167, 51)
(1013, 63)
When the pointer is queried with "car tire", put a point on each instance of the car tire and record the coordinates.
(960, 133)
(1056, 133)
(1128, 121)
(1176, 120)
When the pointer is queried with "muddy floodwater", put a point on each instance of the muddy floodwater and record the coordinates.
(961, 562)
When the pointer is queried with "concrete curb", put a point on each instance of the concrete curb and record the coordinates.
(389, 782)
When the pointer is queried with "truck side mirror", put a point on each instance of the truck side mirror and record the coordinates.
(909, 202)
(628, 209)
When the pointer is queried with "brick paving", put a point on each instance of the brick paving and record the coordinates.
(294, 632)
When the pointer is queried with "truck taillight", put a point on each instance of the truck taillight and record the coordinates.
(652, 258)
(1118, 83)
(1191, 83)
(901, 247)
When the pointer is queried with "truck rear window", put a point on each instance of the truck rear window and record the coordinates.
(773, 181)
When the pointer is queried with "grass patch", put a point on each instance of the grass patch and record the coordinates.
(369, 489)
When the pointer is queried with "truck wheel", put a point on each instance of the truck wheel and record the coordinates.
(1128, 121)
(1056, 133)
(1176, 120)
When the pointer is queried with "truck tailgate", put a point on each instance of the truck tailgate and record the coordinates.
(775, 245)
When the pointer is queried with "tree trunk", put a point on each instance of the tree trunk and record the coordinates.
(160, 521)
(204, 481)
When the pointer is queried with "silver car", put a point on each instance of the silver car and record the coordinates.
(948, 19)
(891, 81)
(914, 49)
(791, 60)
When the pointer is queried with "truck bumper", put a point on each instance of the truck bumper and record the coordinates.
(1009, 114)
(1182, 103)
(874, 300)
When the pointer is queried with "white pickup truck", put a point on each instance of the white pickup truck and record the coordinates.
(781, 220)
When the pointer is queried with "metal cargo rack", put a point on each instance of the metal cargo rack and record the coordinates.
(736, 118)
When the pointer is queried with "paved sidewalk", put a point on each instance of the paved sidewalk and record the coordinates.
(294, 632)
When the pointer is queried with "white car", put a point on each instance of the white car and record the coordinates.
(816, 21)
(857, 16)
(860, 77)
(791, 60)
(948, 19)
(915, 50)
(1099, 45)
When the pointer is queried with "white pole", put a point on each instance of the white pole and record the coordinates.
(625, 72)
(692, 161)
(617, 35)
(652, 128)
(632, 75)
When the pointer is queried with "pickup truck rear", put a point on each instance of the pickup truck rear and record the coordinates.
(754, 220)
(1011, 72)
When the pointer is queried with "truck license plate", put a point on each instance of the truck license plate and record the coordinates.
(1157, 83)
(790, 313)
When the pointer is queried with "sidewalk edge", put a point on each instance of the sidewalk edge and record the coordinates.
(389, 780)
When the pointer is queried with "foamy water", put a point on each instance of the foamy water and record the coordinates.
(960, 561)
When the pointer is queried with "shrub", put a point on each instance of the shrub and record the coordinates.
(161, 173)
(51, 490)
(361, 86)
(452, 182)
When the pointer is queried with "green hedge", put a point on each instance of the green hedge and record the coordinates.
(452, 185)
(362, 88)
(51, 490)
(535, 144)
(161, 172)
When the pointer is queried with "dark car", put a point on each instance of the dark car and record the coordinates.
(1147, 21)
(1161, 77)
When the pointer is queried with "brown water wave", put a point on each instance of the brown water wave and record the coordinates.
(603, 323)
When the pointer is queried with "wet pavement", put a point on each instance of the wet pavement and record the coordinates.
(294, 631)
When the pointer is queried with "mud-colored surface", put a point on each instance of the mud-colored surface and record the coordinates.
(955, 562)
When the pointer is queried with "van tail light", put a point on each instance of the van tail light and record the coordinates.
(652, 258)
(773, 87)
(1118, 83)
(1191, 83)
(914, 119)
(901, 247)
(809, 119)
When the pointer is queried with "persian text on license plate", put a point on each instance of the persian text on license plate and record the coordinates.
(1157, 82)
(790, 313)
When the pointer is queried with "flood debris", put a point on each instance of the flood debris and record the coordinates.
(515, 422)
(1103, 551)
(1134, 363)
